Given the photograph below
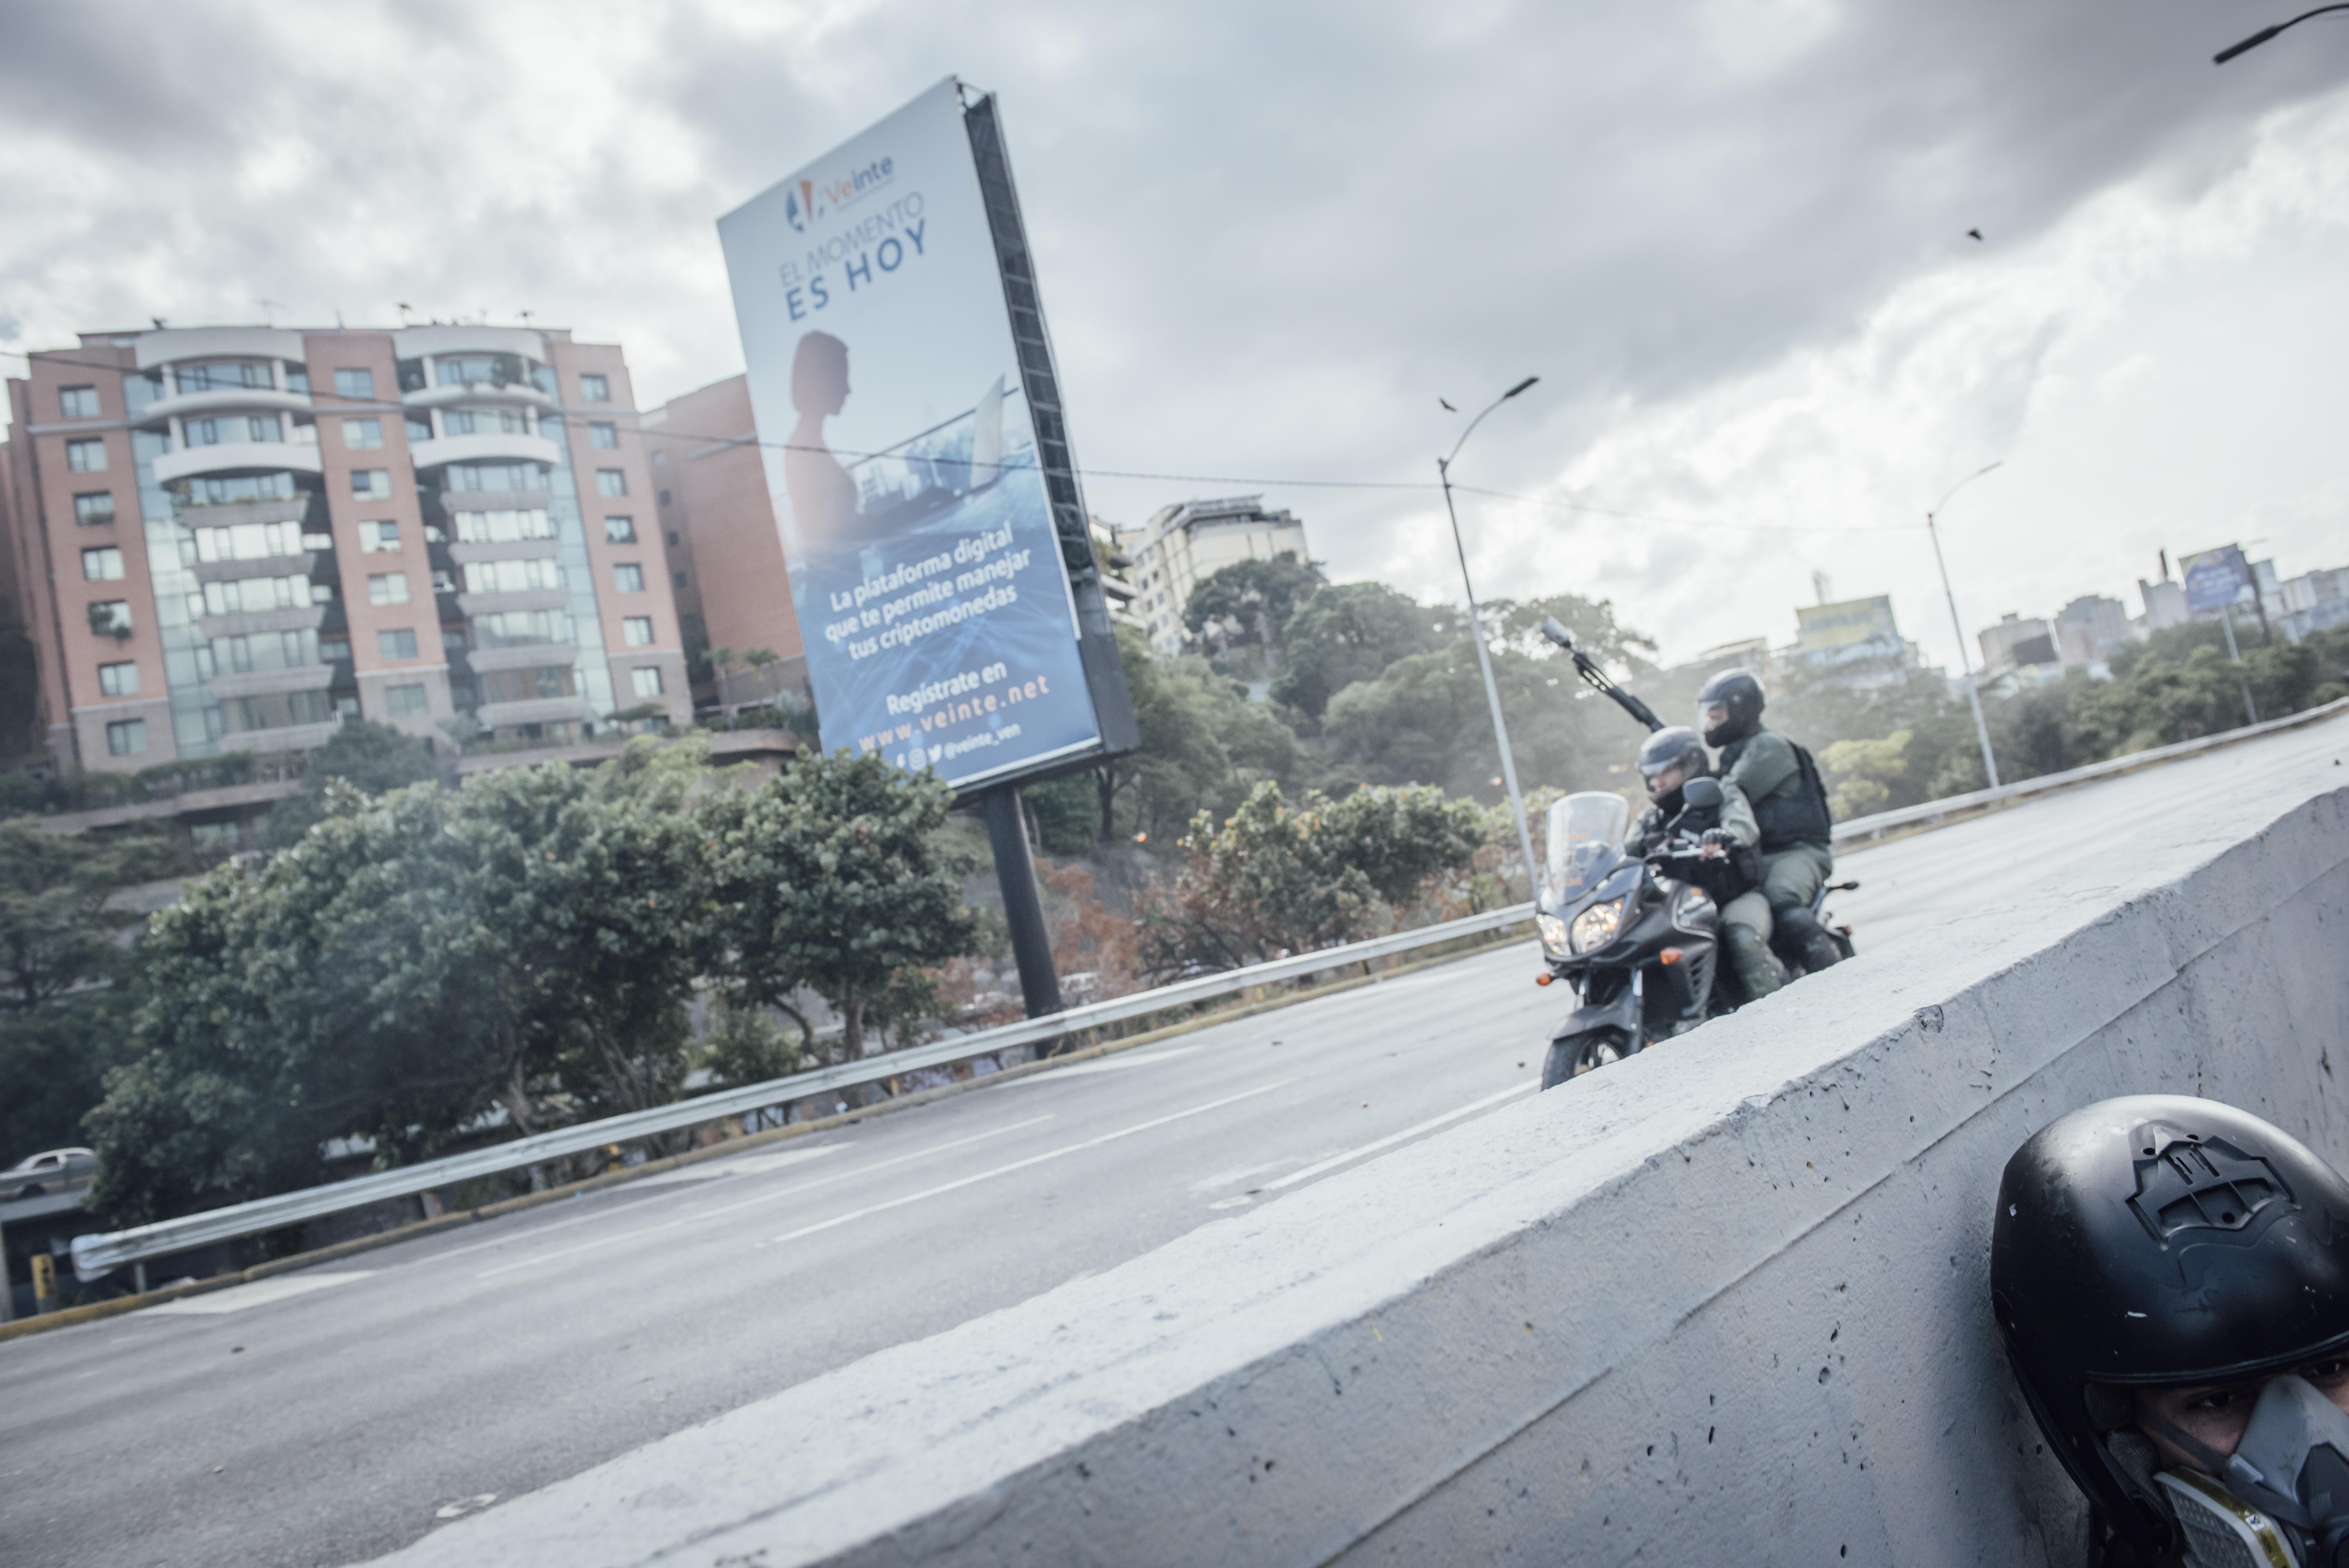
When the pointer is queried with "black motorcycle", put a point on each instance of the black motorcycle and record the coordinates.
(1639, 942)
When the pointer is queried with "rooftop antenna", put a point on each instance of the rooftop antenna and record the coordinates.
(1820, 584)
(405, 310)
(158, 321)
(269, 309)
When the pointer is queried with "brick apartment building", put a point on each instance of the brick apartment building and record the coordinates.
(234, 538)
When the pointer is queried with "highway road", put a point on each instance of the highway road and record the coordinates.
(331, 1415)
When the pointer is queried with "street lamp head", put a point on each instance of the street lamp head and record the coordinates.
(1520, 387)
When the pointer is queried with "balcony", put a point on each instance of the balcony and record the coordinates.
(237, 458)
(536, 710)
(519, 393)
(471, 604)
(178, 345)
(293, 738)
(302, 565)
(291, 618)
(496, 447)
(534, 656)
(261, 683)
(513, 550)
(224, 400)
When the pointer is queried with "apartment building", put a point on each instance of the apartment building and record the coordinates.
(720, 548)
(234, 538)
(1184, 545)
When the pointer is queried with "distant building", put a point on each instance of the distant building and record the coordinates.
(721, 552)
(1116, 573)
(2089, 630)
(2314, 601)
(234, 538)
(1855, 642)
(1181, 545)
(2015, 643)
(2165, 605)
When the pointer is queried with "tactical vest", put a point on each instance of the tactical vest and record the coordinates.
(1797, 812)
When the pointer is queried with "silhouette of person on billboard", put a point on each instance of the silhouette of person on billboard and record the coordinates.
(823, 497)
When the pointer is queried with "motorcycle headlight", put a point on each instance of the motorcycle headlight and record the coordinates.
(1596, 926)
(1553, 933)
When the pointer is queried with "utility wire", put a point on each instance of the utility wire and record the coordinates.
(379, 404)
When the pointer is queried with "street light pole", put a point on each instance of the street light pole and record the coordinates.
(1477, 635)
(2264, 34)
(1965, 666)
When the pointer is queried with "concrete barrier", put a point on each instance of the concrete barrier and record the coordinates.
(1723, 1302)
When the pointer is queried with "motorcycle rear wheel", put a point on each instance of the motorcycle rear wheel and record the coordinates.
(1571, 1055)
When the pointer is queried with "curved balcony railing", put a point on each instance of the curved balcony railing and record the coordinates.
(224, 400)
(519, 393)
(492, 447)
(237, 458)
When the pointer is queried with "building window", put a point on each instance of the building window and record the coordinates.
(333, 650)
(111, 618)
(663, 495)
(637, 630)
(594, 389)
(611, 482)
(677, 581)
(419, 429)
(266, 428)
(603, 436)
(103, 565)
(404, 701)
(675, 539)
(619, 530)
(371, 484)
(86, 457)
(646, 679)
(354, 383)
(387, 588)
(378, 537)
(512, 576)
(503, 527)
(628, 577)
(127, 737)
(224, 376)
(363, 434)
(77, 402)
(119, 680)
(393, 646)
(498, 476)
(96, 507)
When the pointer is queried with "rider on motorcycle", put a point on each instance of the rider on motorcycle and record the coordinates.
(1778, 778)
(1725, 868)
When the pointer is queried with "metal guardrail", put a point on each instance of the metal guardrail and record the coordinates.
(1861, 829)
(97, 1256)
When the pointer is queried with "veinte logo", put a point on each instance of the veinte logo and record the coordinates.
(807, 202)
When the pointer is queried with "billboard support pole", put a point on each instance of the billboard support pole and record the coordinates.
(1023, 907)
(2227, 619)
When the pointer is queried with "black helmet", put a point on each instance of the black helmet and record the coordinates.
(2152, 1241)
(1677, 746)
(1739, 692)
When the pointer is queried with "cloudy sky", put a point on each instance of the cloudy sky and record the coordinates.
(1730, 235)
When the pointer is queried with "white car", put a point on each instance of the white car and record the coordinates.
(55, 1170)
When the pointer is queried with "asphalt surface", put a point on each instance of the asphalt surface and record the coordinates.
(331, 1415)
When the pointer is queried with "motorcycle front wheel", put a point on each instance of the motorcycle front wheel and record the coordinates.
(1571, 1055)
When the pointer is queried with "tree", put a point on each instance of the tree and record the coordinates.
(1275, 878)
(371, 758)
(1250, 601)
(1346, 633)
(1857, 773)
(525, 942)
(830, 876)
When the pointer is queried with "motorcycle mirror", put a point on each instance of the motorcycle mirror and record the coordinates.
(1557, 633)
(1702, 793)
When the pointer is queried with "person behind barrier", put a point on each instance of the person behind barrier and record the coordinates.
(1790, 808)
(2171, 1278)
(1727, 867)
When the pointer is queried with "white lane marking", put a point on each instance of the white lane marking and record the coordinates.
(1391, 1138)
(741, 1165)
(797, 1187)
(259, 1293)
(1108, 1065)
(961, 1182)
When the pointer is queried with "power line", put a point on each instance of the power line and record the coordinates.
(1270, 482)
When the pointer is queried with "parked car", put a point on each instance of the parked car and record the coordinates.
(55, 1170)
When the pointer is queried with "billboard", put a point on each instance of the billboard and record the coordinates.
(2215, 578)
(929, 518)
(1839, 625)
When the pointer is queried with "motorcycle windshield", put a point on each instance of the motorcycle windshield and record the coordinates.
(1586, 843)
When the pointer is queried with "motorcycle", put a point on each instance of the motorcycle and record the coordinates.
(1639, 942)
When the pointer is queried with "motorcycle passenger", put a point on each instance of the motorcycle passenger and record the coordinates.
(2172, 1277)
(1778, 778)
(1726, 867)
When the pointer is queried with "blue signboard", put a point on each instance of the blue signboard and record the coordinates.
(901, 453)
(2215, 578)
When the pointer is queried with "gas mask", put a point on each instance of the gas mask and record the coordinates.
(2281, 1499)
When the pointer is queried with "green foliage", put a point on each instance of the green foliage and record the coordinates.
(1351, 631)
(832, 875)
(1250, 602)
(525, 942)
(746, 1045)
(368, 757)
(1858, 772)
(1274, 878)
